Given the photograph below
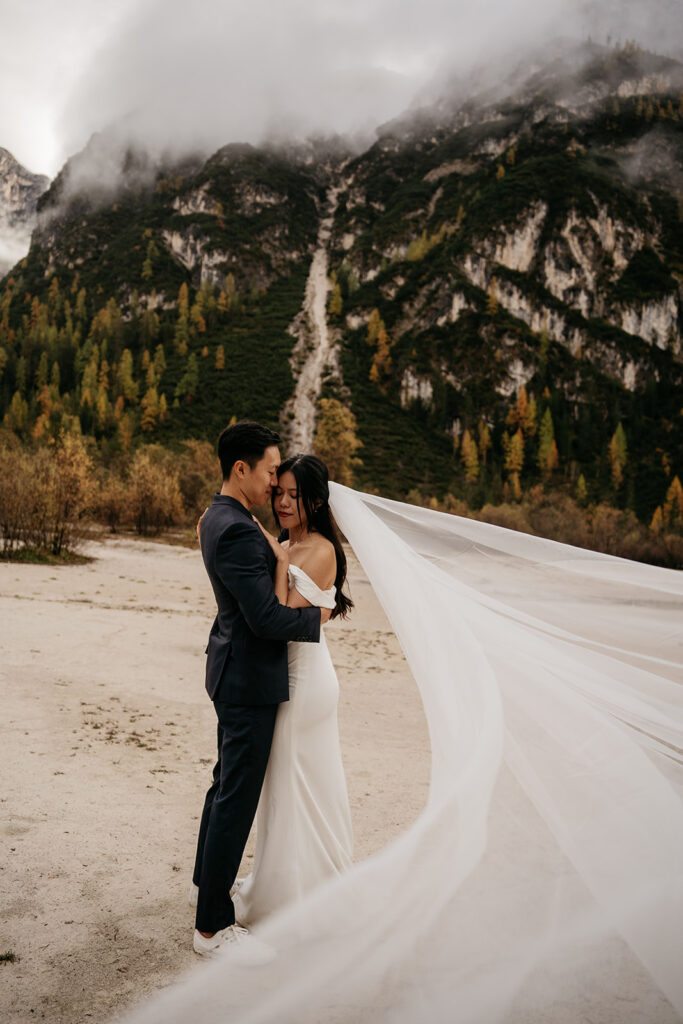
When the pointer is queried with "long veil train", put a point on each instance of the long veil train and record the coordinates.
(544, 879)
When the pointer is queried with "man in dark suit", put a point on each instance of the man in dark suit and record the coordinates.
(246, 669)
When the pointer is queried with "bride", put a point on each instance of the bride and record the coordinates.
(303, 824)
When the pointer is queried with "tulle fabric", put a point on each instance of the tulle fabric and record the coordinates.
(544, 879)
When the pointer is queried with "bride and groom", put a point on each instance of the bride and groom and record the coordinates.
(274, 689)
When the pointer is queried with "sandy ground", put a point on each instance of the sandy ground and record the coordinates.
(107, 740)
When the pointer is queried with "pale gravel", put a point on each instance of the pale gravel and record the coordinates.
(106, 748)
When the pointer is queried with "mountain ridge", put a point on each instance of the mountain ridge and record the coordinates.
(20, 190)
(526, 243)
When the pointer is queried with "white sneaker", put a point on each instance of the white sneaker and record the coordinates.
(237, 942)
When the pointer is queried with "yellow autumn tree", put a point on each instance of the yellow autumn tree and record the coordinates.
(513, 449)
(523, 414)
(484, 433)
(336, 441)
(470, 457)
(548, 458)
(335, 305)
(374, 324)
(492, 297)
(672, 510)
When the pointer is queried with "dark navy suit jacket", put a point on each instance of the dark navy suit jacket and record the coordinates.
(246, 659)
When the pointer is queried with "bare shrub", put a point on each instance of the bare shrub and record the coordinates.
(17, 496)
(112, 501)
(456, 506)
(199, 475)
(71, 493)
(512, 517)
(558, 517)
(45, 496)
(154, 494)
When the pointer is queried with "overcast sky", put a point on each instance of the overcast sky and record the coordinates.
(179, 75)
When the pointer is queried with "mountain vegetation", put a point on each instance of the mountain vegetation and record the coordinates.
(506, 287)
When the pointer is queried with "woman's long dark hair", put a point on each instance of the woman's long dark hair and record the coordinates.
(312, 480)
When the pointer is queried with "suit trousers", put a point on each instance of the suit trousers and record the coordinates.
(245, 734)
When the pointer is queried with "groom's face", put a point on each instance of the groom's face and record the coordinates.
(259, 481)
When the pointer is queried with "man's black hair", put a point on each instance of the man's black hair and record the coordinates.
(245, 441)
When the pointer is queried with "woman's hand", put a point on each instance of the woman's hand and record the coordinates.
(278, 550)
(199, 522)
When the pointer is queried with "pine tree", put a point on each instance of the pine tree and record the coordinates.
(523, 413)
(618, 456)
(188, 383)
(125, 381)
(16, 417)
(149, 409)
(492, 298)
(672, 510)
(484, 440)
(581, 490)
(470, 457)
(335, 305)
(381, 361)
(126, 429)
(548, 458)
(183, 300)
(20, 375)
(197, 317)
(374, 324)
(513, 448)
(148, 264)
(42, 371)
(159, 361)
(418, 248)
(657, 521)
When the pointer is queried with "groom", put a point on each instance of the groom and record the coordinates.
(246, 669)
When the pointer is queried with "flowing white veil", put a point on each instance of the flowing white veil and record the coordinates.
(544, 879)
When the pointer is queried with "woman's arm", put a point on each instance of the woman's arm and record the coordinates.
(320, 566)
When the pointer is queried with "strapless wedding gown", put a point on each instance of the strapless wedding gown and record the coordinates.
(303, 822)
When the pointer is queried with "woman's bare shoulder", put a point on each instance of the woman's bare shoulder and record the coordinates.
(319, 560)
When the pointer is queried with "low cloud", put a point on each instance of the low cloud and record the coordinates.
(178, 79)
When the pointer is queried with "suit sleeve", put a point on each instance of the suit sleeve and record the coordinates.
(242, 566)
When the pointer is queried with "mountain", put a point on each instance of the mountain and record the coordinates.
(19, 194)
(503, 310)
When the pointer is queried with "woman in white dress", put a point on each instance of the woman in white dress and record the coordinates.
(303, 822)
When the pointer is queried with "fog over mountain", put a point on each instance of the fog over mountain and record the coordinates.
(247, 70)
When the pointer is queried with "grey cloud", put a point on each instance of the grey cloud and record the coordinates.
(184, 78)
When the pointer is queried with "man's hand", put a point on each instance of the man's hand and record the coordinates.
(199, 522)
(325, 614)
(277, 548)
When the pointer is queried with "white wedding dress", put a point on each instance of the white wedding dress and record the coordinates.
(303, 822)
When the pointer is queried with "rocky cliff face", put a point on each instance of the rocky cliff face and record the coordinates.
(530, 235)
(19, 194)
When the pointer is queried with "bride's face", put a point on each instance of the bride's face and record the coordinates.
(289, 511)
